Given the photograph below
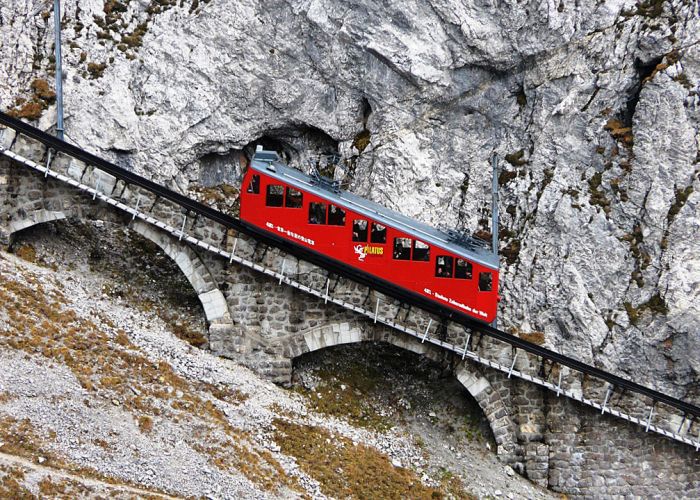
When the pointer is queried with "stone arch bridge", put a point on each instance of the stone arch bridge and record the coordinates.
(254, 319)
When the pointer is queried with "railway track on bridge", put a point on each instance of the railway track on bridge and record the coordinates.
(663, 414)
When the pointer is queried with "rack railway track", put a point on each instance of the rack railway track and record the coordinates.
(676, 410)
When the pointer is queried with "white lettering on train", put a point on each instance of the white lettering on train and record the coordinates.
(291, 234)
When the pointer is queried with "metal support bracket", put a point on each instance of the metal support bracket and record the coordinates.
(512, 365)
(233, 250)
(427, 328)
(466, 345)
(607, 396)
(651, 414)
(559, 383)
(182, 228)
(48, 165)
(136, 209)
(284, 263)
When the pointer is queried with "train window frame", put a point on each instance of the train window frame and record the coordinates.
(440, 268)
(269, 195)
(468, 268)
(321, 220)
(298, 198)
(380, 233)
(486, 285)
(416, 251)
(254, 184)
(402, 252)
(357, 233)
(338, 219)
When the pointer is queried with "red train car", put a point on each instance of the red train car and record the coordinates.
(315, 214)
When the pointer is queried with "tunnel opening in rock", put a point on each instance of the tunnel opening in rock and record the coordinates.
(301, 146)
(221, 168)
(130, 269)
(379, 386)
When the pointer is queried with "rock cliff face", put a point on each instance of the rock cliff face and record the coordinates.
(592, 108)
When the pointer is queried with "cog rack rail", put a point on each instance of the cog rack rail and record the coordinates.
(688, 412)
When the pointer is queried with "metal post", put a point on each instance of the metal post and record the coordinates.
(425, 336)
(59, 68)
(651, 414)
(328, 285)
(466, 345)
(182, 229)
(680, 427)
(136, 209)
(376, 311)
(559, 384)
(513, 364)
(605, 403)
(494, 205)
(97, 188)
(48, 164)
(284, 263)
(233, 251)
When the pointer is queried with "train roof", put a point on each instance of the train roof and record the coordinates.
(268, 162)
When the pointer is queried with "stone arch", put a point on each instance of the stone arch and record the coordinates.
(36, 217)
(212, 299)
(199, 277)
(477, 385)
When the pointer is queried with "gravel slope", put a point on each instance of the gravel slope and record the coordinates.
(96, 389)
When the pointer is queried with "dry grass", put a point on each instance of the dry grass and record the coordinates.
(26, 252)
(532, 337)
(11, 484)
(347, 395)
(107, 364)
(344, 469)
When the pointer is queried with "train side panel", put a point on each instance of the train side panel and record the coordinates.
(317, 223)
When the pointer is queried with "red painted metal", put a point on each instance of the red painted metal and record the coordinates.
(373, 258)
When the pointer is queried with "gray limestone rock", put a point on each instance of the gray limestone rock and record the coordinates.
(593, 108)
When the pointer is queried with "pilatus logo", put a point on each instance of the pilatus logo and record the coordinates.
(364, 251)
(360, 251)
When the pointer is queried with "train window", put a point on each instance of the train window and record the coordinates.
(443, 266)
(402, 248)
(294, 198)
(463, 269)
(275, 195)
(485, 282)
(336, 216)
(378, 234)
(317, 213)
(359, 230)
(421, 251)
(254, 185)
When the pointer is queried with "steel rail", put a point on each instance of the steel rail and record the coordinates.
(339, 267)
